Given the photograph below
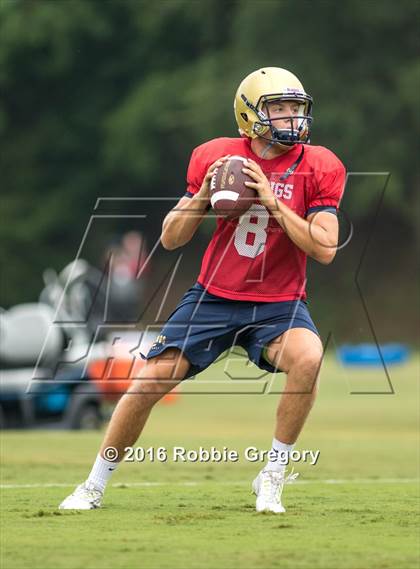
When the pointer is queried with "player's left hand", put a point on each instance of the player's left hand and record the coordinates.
(260, 183)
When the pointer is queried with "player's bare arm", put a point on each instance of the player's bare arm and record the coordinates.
(183, 220)
(317, 236)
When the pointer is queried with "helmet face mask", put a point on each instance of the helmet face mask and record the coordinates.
(253, 99)
(299, 129)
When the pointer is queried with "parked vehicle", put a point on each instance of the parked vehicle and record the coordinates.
(59, 363)
(42, 380)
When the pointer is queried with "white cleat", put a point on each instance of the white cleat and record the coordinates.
(85, 497)
(268, 487)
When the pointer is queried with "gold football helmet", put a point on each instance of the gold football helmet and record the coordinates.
(252, 113)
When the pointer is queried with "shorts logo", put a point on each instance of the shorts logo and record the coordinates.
(160, 341)
(231, 179)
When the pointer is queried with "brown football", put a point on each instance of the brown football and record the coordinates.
(229, 196)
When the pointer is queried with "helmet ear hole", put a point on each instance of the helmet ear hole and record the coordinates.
(244, 116)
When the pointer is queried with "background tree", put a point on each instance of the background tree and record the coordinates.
(109, 98)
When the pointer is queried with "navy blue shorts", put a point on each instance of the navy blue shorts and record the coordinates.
(203, 326)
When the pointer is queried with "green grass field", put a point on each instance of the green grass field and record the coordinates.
(356, 509)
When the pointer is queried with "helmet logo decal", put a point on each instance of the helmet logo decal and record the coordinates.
(294, 91)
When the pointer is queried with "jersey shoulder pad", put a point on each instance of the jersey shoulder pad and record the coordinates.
(213, 149)
(322, 159)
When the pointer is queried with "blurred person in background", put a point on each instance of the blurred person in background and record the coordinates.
(125, 266)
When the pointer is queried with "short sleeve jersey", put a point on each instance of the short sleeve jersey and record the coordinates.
(252, 258)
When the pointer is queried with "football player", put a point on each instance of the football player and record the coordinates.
(251, 288)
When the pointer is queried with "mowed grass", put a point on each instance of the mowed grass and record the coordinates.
(356, 509)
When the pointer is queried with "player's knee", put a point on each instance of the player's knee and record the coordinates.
(148, 392)
(307, 364)
(304, 379)
(157, 378)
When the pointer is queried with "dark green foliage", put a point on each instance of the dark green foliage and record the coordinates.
(109, 98)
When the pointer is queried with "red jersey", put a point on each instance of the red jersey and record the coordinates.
(252, 258)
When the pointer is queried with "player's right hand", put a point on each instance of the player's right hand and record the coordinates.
(204, 191)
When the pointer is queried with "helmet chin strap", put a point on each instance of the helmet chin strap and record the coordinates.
(267, 148)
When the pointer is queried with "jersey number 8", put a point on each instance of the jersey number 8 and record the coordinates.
(250, 234)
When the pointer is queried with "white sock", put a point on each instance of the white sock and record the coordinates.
(280, 456)
(101, 472)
